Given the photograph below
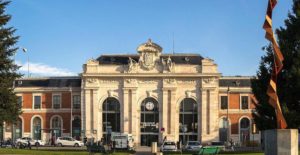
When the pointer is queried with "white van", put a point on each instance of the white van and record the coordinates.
(122, 140)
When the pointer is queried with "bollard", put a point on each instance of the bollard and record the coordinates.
(154, 147)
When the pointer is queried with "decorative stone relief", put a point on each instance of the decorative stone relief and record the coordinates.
(210, 80)
(131, 81)
(186, 81)
(148, 81)
(111, 93)
(149, 54)
(108, 81)
(91, 80)
(188, 94)
(168, 64)
(132, 66)
(149, 93)
(170, 81)
(92, 61)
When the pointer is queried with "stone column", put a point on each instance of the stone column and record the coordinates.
(202, 119)
(172, 115)
(95, 113)
(87, 112)
(164, 113)
(83, 113)
(134, 113)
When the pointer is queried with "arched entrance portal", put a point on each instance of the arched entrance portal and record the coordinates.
(188, 122)
(76, 127)
(223, 129)
(36, 126)
(244, 130)
(56, 126)
(17, 129)
(149, 121)
(110, 117)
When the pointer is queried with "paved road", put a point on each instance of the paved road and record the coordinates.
(143, 150)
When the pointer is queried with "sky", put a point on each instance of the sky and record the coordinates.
(61, 35)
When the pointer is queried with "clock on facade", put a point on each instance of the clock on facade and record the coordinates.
(149, 106)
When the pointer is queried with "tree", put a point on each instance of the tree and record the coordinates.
(288, 83)
(9, 108)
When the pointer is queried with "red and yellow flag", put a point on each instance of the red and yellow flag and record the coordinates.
(278, 58)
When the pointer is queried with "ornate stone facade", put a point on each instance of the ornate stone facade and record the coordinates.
(168, 79)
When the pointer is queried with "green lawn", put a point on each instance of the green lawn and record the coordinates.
(44, 152)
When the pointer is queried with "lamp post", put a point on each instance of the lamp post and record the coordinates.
(71, 131)
(227, 114)
(25, 51)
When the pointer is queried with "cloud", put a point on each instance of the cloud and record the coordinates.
(40, 69)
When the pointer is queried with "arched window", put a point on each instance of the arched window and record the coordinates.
(188, 122)
(76, 127)
(17, 129)
(37, 126)
(149, 121)
(244, 130)
(223, 129)
(110, 117)
(56, 126)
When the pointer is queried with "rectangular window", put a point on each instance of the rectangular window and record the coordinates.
(224, 100)
(76, 101)
(37, 102)
(244, 102)
(20, 100)
(56, 101)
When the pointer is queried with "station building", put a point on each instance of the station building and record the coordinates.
(151, 95)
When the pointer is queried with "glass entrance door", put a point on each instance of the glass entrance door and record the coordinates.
(149, 121)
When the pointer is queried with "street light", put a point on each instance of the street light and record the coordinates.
(227, 117)
(25, 51)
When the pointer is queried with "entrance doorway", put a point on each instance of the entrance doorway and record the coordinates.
(110, 118)
(149, 121)
(188, 122)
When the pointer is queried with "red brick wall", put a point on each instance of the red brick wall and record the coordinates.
(46, 117)
(66, 100)
(27, 100)
(234, 120)
(48, 100)
(234, 101)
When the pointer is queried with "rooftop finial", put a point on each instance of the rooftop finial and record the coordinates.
(149, 40)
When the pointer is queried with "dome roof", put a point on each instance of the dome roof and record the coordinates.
(149, 46)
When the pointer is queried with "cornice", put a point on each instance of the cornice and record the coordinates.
(148, 75)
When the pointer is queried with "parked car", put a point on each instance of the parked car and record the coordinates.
(219, 144)
(68, 141)
(168, 146)
(192, 146)
(24, 140)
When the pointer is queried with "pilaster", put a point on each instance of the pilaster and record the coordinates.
(125, 117)
(95, 114)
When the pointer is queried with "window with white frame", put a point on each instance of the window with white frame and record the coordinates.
(37, 102)
(56, 101)
(76, 101)
(224, 102)
(20, 100)
(244, 102)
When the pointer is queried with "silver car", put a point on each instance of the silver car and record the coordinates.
(24, 140)
(168, 146)
(192, 146)
(68, 141)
